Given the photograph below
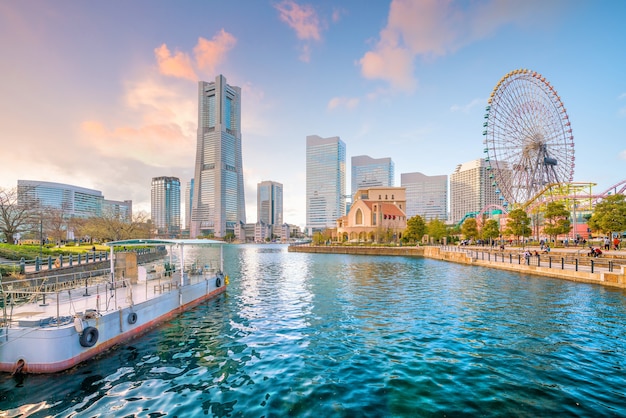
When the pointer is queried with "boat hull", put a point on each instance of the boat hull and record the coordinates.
(53, 349)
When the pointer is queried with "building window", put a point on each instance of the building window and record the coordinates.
(359, 217)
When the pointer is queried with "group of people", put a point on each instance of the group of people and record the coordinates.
(528, 253)
(594, 252)
(607, 243)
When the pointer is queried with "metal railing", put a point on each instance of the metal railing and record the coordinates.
(561, 261)
(51, 262)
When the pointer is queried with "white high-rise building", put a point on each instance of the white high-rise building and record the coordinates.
(325, 182)
(471, 190)
(165, 206)
(371, 172)
(269, 204)
(426, 196)
(218, 192)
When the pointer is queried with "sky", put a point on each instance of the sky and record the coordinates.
(103, 95)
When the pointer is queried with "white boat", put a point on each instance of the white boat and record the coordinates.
(55, 324)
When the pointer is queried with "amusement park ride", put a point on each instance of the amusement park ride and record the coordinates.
(529, 149)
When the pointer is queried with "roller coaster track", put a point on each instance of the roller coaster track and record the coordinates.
(612, 190)
(578, 194)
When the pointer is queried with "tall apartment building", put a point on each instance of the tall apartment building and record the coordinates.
(73, 201)
(325, 182)
(426, 196)
(471, 189)
(269, 204)
(188, 203)
(371, 172)
(165, 206)
(218, 190)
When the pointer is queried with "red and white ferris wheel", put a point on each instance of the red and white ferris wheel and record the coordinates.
(528, 137)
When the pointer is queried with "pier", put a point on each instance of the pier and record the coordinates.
(562, 263)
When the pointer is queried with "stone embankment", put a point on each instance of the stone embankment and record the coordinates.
(569, 264)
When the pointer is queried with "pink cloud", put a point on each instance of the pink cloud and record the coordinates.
(338, 13)
(390, 62)
(347, 102)
(179, 65)
(211, 53)
(146, 143)
(303, 19)
(208, 55)
(432, 28)
(163, 128)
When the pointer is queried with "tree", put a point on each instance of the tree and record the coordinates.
(14, 218)
(436, 229)
(109, 227)
(609, 215)
(318, 238)
(229, 237)
(415, 229)
(55, 224)
(518, 224)
(556, 219)
(490, 230)
(470, 228)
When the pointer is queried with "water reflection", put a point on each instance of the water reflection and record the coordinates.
(338, 335)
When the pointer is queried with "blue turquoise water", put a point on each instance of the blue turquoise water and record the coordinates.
(339, 335)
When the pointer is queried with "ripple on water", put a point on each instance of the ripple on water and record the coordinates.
(337, 335)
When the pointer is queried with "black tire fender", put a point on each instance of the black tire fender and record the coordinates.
(132, 318)
(89, 337)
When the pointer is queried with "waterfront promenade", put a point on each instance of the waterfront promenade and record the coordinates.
(571, 263)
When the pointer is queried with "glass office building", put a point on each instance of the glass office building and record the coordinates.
(218, 190)
(165, 206)
(73, 201)
(325, 182)
(426, 196)
(371, 172)
(270, 203)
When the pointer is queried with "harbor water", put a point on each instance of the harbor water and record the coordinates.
(313, 335)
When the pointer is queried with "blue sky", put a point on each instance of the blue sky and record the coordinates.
(104, 94)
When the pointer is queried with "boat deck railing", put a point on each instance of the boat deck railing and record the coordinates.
(47, 301)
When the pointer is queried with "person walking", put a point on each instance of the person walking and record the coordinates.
(607, 244)
(616, 242)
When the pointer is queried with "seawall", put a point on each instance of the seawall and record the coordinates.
(577, 273)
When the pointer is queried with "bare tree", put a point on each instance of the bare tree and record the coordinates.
(109, 227)
(56, 224)
(14, 218)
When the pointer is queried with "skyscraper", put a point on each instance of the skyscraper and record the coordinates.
(325, 182)
(471, 189)
(165, 206)
(426, 196)
(188, 203)
(371, 172)
(218, 190)
(269, 205)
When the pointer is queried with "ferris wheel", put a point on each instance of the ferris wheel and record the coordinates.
(528, 137)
